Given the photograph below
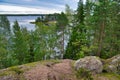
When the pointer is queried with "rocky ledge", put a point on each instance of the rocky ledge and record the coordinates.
(88, 68)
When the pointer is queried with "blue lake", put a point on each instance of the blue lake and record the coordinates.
(24, 21)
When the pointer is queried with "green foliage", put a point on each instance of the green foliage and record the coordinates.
(77, 41)
(103, 27)
(80, 12)
(84, 74)
(20, 46)
(45, 41)
(4, 42)
(96, 31)
(5, 24)
(78, 36)
(62, 21)
(69, 13)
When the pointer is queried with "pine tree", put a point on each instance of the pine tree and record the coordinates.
(102, 22)
(111, 41)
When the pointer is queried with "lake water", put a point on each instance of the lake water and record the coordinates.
(24, 21)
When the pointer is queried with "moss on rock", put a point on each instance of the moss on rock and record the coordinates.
(58, 67)
(106, 76)
(112, 65)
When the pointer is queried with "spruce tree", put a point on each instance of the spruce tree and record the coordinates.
(20, 45)
(5, 41)
(78, 39)
(5, 24)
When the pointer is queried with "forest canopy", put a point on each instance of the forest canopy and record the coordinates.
(93, 29)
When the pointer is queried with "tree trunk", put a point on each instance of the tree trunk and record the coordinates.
(100, 45)
(62, 44)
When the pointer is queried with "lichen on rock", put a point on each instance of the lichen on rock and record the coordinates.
(90, 63)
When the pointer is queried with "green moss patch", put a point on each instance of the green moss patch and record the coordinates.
(16, 69)
(112, 76)
(106, 76)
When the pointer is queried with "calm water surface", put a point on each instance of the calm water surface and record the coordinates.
(24, 21)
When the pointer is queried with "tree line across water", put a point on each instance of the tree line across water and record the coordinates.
(93, 29)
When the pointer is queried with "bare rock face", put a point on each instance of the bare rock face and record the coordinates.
(59, 71)
(113, 64)
(90, 63)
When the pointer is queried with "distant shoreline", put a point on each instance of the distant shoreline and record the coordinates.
(26, 14)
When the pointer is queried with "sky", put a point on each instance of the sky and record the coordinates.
(35, 6)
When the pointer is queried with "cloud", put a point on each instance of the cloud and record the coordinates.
(76, 0)
(28, 0)
(12, 9)
(35, 6)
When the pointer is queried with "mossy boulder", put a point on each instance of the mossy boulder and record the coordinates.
(112, 65)
(90, 63)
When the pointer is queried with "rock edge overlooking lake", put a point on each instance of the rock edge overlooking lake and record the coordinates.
(64, 70)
